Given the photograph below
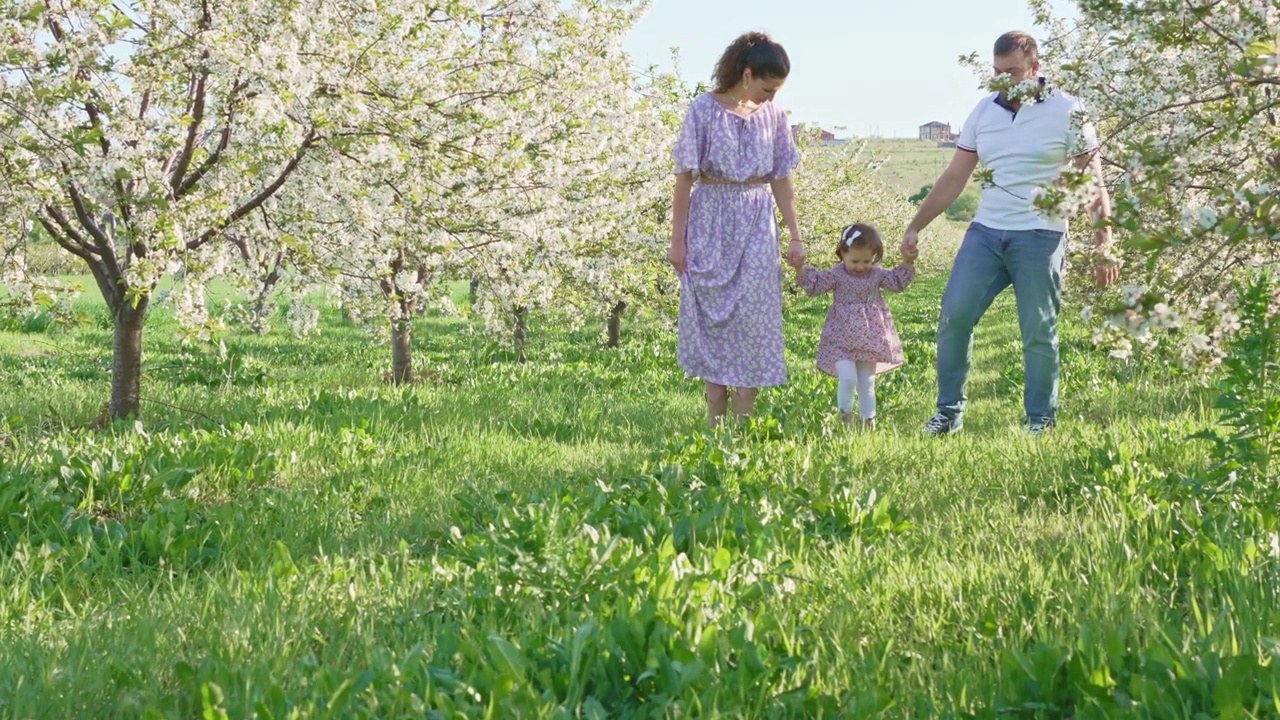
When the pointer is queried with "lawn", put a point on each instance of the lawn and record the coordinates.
(285, 535)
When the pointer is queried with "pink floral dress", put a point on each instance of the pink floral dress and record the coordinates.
(859, 326)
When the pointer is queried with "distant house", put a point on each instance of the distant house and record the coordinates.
(822, 136)
(816, 133)
(937, 131)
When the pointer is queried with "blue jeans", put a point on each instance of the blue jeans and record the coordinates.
(988, 262)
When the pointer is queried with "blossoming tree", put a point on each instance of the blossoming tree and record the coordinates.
(182, 137)
(513, 180)
(1185, 96)
(139, 134)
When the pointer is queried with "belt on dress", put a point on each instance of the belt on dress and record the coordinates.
(719, 181)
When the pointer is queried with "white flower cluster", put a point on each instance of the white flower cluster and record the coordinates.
(189, 305)
(1025, 92)
(1138, 320)
(1182, 98)
(302, 318)
(28, 294)
(1198, 337)
(1217, 322)
(1068, 196)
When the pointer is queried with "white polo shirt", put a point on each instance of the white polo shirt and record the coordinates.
(1025, 149)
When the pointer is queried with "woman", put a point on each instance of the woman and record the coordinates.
(735, 145)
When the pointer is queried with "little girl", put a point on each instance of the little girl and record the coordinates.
(859, 340)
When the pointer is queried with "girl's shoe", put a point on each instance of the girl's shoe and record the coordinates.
(869, 424)
(846, 418)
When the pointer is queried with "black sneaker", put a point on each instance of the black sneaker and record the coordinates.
(1039, 426)
(943, 424)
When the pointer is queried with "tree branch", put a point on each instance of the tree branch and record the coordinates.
(86, 221)
(189, 183)
(193, 133)
(262, 196)
(108, 284)
(106, 250)
(1171, 106)
(1213, 29)
(57, 234)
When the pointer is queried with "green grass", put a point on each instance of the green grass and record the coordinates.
(912, 163)
(286, 533)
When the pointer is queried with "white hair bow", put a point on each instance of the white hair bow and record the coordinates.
(848, 242)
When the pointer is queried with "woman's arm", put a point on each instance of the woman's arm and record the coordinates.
(784, 194)
(679, 220)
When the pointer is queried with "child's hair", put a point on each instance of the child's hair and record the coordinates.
(860, 235)
(755, 51)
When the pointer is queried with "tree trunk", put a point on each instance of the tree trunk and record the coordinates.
(401, 322)
(126, 373)
(475, 288)
(401, 351)
(260, 322)
(262, 309)
(615, 324)
(521, 334)
(128, 321)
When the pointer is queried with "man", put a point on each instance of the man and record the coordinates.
(1024, 140)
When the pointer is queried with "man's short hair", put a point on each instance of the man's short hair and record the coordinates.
(1007, 43)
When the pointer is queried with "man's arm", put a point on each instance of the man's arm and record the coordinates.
(1105, 270)
(941, 195)
(944, 192)
(1100, 208)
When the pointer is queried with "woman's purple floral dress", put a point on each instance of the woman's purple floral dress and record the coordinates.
(730, 322)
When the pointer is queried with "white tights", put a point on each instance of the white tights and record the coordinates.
(863, 376)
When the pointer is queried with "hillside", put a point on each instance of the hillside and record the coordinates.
(912, 163)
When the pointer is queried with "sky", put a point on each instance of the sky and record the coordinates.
(875, 68)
